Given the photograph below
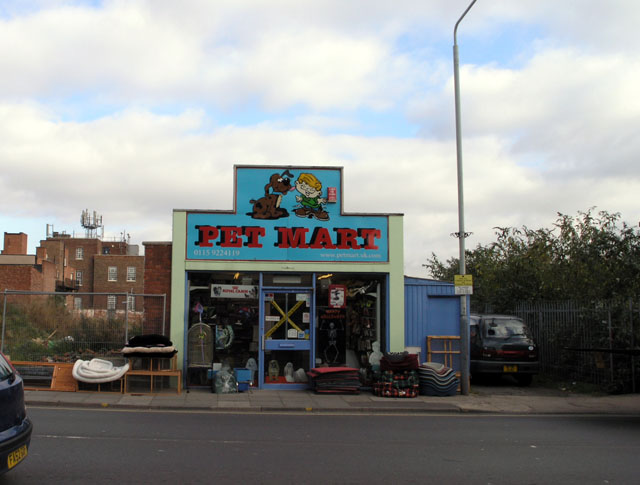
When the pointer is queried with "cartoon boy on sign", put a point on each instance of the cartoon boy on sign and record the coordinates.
(311, 202)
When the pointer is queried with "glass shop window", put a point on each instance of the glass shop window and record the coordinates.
(224, 316)
(350, 318)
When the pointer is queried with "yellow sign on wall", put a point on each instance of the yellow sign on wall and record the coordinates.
(463, 280)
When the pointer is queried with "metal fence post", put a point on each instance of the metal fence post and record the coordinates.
(164, 312)
(4, 320)
(610, 342)
(633, 346)
(126, 317)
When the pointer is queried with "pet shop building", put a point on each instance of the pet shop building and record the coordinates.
(285, 281)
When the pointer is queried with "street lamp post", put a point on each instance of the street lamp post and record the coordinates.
(464, 326)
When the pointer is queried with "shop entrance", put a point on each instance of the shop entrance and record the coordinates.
(286, 332)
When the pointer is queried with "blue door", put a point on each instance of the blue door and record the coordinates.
(286, 331)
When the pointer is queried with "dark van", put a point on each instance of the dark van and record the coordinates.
(15, 426)
(502, 344)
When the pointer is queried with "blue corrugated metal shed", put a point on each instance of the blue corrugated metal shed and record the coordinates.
(431, 308)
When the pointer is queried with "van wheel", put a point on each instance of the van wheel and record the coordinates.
(524, 380)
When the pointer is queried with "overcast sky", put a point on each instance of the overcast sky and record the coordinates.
(135, 107)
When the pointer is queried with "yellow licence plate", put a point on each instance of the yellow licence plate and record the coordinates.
(17, 456)
(509, 368)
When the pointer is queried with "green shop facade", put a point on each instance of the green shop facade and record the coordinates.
(285, 281)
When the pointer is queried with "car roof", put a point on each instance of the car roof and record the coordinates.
(493, 315)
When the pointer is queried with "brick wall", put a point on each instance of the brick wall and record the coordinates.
(15, 277)
(157, 271)
(48, 276)
(43, 277)
(28, 277)
(15, 243)
(84, 263)
(101, 283)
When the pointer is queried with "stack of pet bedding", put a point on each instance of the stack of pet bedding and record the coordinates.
(404, 383)
(399, 361)
(437, 380)
(150, 345)
(398, 375)
(334, 380)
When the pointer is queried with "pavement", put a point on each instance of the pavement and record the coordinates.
(489, 400)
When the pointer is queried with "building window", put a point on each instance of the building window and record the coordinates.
(131, 303)
(111, 302)
(79, 278)
(131, 273)
(113, 273)
(77, 303)
(79, 253)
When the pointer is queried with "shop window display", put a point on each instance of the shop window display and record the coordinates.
(286, 367)
(350, 319)
(347, 312)
(226, 303)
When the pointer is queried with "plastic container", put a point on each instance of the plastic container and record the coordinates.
(242, 374)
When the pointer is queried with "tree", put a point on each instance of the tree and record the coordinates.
(586, 257)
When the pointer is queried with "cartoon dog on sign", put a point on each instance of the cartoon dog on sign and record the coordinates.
(268, 207)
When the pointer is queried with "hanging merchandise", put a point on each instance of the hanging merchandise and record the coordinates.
(224, 336)
(200, 345)
(331, 335)
(199, 309)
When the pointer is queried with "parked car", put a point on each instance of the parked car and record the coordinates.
(502, 345)
(15, 426)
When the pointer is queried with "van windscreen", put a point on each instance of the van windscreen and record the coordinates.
(505, 328)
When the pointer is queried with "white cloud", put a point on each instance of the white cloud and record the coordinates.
(94, 100)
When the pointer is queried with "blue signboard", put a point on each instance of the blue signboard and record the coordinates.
(287, 214)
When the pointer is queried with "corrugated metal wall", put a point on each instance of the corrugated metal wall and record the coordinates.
(431, 308)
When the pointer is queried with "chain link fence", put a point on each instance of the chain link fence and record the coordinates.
(65, 327)
(587, 342)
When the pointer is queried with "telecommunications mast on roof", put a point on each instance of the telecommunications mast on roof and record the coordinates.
(92, 224)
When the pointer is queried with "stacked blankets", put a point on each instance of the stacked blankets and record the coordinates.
(403, 383)
(150, 345)
(437, 380)
(334, 380)
(398, 377)
(398, 361)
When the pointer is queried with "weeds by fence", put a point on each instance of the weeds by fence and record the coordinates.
(594, 342)
(64, 327)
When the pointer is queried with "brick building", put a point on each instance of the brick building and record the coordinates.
(90, 265)
(21, 271)
(115, 273)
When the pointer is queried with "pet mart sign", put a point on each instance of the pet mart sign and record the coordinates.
(287, 214)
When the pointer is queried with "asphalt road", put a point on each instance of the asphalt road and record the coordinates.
(107, 446)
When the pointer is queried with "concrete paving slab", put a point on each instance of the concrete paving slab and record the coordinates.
(102, 398)
(233, 405)
(135, 400)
